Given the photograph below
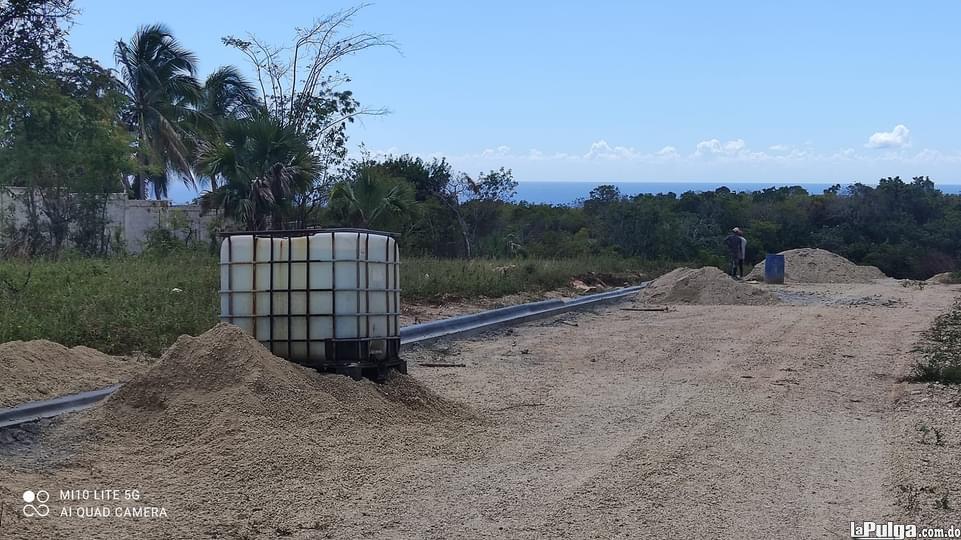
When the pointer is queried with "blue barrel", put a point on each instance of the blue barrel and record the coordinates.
(774, 268)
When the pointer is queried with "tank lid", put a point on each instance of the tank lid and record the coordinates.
(306, 232)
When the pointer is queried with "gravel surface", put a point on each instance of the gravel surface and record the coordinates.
(767, 421)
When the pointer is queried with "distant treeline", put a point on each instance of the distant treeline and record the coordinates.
(908, 229)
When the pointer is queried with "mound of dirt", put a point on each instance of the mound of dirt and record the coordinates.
(945, 278)
(224, 379)
(810, 265)
(708, 285)
(225, 435)
(32, 370)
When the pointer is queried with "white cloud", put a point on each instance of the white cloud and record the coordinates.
(712, 146)
(734, 147)
(716, 148)
(668, 152)
(899, 137)
(536, 155)
(602, 150)
(929, 155)
(500, 151)
(715, 158)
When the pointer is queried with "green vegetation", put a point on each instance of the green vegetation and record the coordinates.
(158, 80)
(263, 163)
(71, 130)
(443, 279)
(125, 304)
(927, 430)
(941, 349)
(62, 139)
(907, 229)
(117, 305)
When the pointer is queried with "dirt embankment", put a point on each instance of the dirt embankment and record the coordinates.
(707, 285)
(32, 370)
(945, 278)
(810, 265)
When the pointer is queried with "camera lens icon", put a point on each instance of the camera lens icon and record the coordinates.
(40, 497)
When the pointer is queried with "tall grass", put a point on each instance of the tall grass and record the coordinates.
(438, 279)
(116, 305)
(144, 303)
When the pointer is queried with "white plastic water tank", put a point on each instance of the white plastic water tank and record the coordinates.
(324, 298)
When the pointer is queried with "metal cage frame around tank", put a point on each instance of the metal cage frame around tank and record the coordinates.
(339, 353)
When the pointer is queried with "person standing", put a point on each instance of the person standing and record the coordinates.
(736, 246)
(740, 261)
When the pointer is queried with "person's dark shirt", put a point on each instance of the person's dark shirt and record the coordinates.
(733, 243)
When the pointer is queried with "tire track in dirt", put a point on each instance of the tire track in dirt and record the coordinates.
(746, 457)
(551, 462)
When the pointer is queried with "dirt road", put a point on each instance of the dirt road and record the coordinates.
(707, 421)
(784, 421)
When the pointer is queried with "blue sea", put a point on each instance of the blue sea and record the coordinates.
(568, 193)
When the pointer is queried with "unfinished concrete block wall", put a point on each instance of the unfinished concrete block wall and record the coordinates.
(133, 219)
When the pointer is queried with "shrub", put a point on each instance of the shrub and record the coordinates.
(941, 349)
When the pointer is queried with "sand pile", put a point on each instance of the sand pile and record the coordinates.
(224, 381)
(808, 265)
(945, 278)
(235, 442)
(32, 370)
(707, 285)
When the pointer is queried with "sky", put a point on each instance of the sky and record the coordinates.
(792, 91)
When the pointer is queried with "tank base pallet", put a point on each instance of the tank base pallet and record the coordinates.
(376, 371)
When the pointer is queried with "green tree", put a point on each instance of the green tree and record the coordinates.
(263, 163)
(158, 75)
(31, 33)
(475, 203)
(372, 199)
(225, 95)
(303, 89)
(63, 142)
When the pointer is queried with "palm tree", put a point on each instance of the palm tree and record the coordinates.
(371, 198)
(225, 95)
(158, 75)
(263, 164)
